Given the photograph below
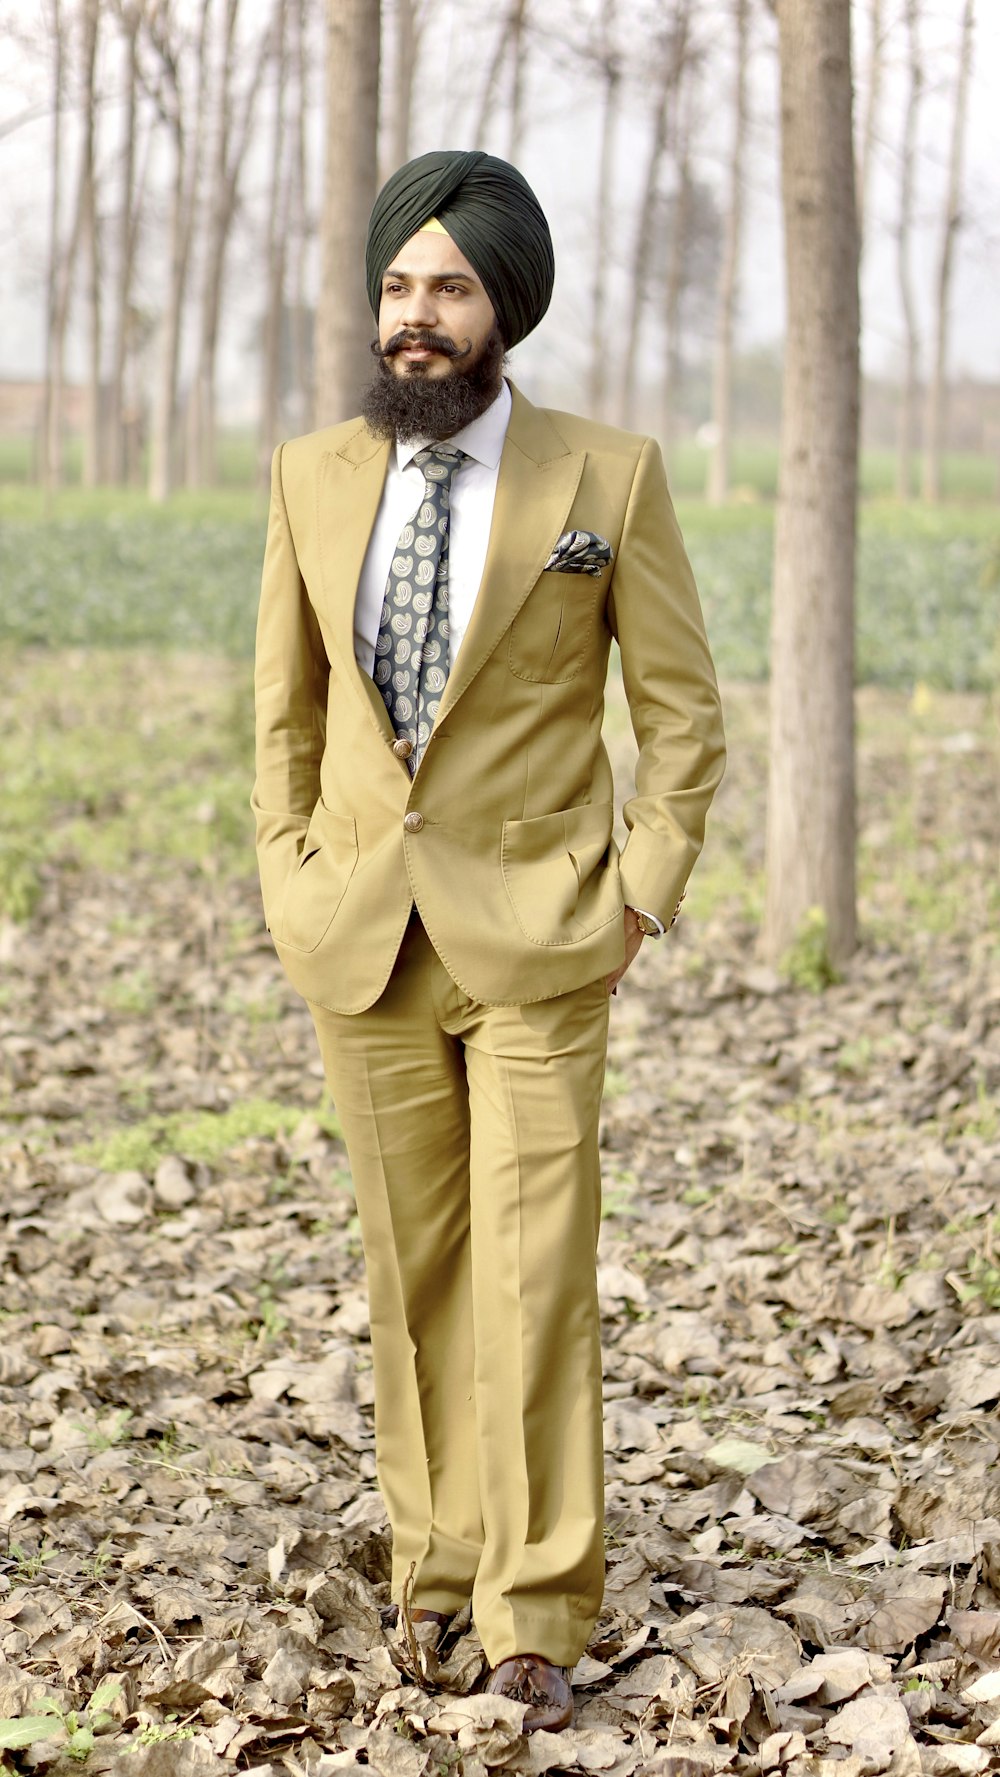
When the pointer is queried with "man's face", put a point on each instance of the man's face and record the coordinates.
(435, 318)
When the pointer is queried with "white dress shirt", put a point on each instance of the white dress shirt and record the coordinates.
(473, 492)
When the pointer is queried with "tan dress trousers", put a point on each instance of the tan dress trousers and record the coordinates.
(472, 1134)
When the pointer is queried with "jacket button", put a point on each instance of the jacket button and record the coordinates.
(413, 821)
(402, 748)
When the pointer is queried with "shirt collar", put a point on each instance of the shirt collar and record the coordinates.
(483, 439)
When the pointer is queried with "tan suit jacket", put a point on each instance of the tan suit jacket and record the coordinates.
(513, 870)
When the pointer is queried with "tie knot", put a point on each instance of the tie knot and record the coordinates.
(438, 465)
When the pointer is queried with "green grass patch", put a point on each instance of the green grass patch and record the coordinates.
(109, 758)
(204, 1135)
(928, 606)
(112, 572)
(109, 570)
(965, 475)
(236, 456)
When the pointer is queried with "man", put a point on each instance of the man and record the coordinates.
(442, 581)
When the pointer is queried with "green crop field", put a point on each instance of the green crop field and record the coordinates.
(107, 569)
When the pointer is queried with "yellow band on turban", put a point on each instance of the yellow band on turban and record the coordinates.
(432, 226)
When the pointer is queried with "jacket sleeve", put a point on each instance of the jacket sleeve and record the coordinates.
(290, 691)
(672, 694)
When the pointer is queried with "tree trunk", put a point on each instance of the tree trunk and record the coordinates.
(676, 284)
(187, 148)
(611, 71)
(937, 385)
(162, 467)
(51, 463)
(279, 209)
(402, 84)
(674, 55)
(200, 458)
(911, 361)
(343, 325)
(722, 374)
(876, 63)
(811, 796)
(92, 452)
(518, 63)
(127, 236)
(488, 102)
(301, 376)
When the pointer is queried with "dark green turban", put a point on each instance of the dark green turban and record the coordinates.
(492, 215)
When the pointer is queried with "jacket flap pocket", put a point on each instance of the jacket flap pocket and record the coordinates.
(560, 873)
(317, 884)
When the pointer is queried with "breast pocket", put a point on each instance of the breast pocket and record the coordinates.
(555, 627)
(316, 887)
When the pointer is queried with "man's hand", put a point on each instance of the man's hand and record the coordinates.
(633, 940)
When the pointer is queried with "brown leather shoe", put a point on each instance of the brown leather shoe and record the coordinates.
(440, 1617)
(544, 1687)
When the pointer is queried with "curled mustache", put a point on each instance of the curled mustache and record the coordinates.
(433, 342)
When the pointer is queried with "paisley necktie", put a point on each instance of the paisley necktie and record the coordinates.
(411, 653)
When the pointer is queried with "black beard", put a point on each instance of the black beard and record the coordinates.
(415, 406)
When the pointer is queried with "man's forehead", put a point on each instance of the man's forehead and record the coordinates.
(431, 251)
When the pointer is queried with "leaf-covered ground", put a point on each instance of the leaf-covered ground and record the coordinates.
(800, 1279)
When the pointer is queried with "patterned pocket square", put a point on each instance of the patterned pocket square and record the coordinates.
(580, 552)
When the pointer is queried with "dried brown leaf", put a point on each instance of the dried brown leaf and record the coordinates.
(872, 1726)
(976, 1631)
(716, 1642)
(795, 1488)
(901, 1606)
(833, 1677)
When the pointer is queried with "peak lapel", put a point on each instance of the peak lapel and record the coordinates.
(348, 491)
(538, 479)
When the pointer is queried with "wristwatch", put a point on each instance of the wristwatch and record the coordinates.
(647, 923)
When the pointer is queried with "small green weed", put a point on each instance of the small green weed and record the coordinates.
(20, 883)
(78, 1728)
(131, 993)
(856, 1057)
(108, 1434)
(29, 1563)
(982, 1121)
(204, 1136)
(807, 961)
(981, 1283)
(100, 1560)
(618, 1196)
(268, 1322)
(156, 1733)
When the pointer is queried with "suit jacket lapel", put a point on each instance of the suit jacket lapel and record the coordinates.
(348, 492)
(536, 485)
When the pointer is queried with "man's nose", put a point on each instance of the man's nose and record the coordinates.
(420, 309)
